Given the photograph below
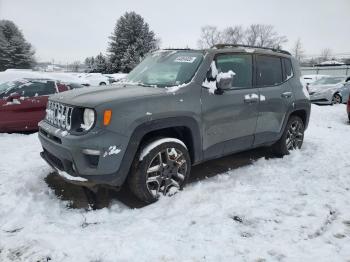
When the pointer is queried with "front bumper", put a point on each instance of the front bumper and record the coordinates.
(70, 154)
(321, 98)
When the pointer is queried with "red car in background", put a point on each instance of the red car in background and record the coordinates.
(348, 109)
(23, 102)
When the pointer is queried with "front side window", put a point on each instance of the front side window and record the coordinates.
(166, 68)
(240, 65)
(269, 70)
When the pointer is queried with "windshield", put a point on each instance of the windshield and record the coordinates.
(5, 87)
(329, 80)
(166, 68)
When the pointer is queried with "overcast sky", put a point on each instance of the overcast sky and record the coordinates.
(69, 30)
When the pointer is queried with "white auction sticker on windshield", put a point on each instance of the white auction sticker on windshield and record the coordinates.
(185, 59)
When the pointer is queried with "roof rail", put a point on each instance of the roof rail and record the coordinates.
(175, 49)
(221, 46)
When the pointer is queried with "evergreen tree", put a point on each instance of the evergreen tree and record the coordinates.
(130, 41)
(100, 64)
(15, 51)
(90, 63)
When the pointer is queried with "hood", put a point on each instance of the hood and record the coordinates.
(94, 96)
(324, 88)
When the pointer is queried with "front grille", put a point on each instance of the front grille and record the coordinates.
(54, 160)
(59, 115)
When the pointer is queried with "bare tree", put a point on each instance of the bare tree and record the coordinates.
(75, 66)
(264, 36)
(255, 35)
(210, 35)
(298, 51)
(326, 54)
(233, 35)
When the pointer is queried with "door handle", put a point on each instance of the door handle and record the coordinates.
(286, 94)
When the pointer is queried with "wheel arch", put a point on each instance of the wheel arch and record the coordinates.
(300, 113)
(340, 94)
(185, 129)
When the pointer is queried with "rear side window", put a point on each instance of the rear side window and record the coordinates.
(62, 87)
(240, 64)
(269, 70)
(288, 69)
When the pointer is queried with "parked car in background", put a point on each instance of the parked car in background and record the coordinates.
(306, 80)
(23, 102)
(330, 90)
(68, 78)
(95, 79)
(111, 80)
(116, 77)
(11, 75)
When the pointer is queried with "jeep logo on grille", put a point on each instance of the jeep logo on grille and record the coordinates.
(59, 115)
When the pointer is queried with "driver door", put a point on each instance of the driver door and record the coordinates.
(229, 116)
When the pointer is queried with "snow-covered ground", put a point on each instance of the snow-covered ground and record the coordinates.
(291, 209)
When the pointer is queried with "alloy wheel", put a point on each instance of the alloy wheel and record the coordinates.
(166, 170)
(336, 99)
(295, 136)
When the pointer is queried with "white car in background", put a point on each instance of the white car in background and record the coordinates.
(330, 90)
(68, 78)
(14, 74)
(115, 77)
(95, 79)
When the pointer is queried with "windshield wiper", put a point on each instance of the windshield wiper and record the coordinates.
(146, 85)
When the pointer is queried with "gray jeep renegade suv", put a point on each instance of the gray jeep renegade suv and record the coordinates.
(176, 109)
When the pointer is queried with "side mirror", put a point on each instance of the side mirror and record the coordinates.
(224, 80)
(12, 97)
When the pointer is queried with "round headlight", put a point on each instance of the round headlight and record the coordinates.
(88, 119)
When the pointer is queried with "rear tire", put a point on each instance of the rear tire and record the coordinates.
(160, 167)
(292, 138)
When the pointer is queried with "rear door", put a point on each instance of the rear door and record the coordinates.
(276, 96)
(229, 117)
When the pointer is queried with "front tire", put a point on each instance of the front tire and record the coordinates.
(292, 138)
(161, 167)
(336, 99)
